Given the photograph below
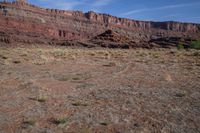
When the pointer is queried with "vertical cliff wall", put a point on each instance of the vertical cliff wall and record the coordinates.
(22, 21)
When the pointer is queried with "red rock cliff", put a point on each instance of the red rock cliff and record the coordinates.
(22, 21)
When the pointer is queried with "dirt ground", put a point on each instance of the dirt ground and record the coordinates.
(65, 90)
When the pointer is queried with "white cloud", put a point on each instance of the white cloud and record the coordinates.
(71, 4)
(67, 5)
(159, 8)
(134, 11)
(172, 15)
(61, 4)
(101, 2)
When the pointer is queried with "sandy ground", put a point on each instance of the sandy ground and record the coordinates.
(64, 90)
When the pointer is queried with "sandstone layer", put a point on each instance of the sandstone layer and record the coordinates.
(26, 23)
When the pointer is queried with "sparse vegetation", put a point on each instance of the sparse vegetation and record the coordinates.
(156, 55)
(79, 104)
(65, 71)
(196, 54)
(180, 46)
(16, 61)
(29, 122)
(3, 57)
(24, 54)
(58, 53)
(111, 64)
(42, 99)
(38, 62)
(62, 77)
(92, 54)
(180, 95)
(84, 130)
(195, 44)
(75, 78)
(59, 121)
(104, 123)
(95, 96)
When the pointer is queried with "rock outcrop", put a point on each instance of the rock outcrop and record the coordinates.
(29, 23)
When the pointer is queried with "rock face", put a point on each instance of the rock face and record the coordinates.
(112, 39)
(112, 36)
(22, 22)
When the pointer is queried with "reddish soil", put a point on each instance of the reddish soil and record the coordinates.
(60, 90)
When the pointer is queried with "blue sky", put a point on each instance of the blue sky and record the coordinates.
(155, 10)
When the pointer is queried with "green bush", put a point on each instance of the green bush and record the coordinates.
(180, 46)
(195, 44)
(59, 121)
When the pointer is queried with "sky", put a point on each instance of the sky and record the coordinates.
(154, 10)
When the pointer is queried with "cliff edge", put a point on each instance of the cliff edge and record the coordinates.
(23, 22)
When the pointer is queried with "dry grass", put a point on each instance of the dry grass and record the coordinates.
(99, 90)
(28, 123)
(60, 120)
(78, 103)
(42, 99)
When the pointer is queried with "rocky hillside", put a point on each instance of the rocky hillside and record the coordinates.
(22, 22)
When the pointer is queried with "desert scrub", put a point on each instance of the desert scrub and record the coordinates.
(62, 77)
(79, 104)
(179, 95)
(196, 54)
(156, 55)
(195, 44)
(28, 123)
(76, 78)
(111, 64)
(91, 54)
(180, 46)
(59, 121)
(104, 123)
(58, 53)
(84, 130)
(39, 62)
(41, 99)
(16, 61)
(3, 57)
(23, 55)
